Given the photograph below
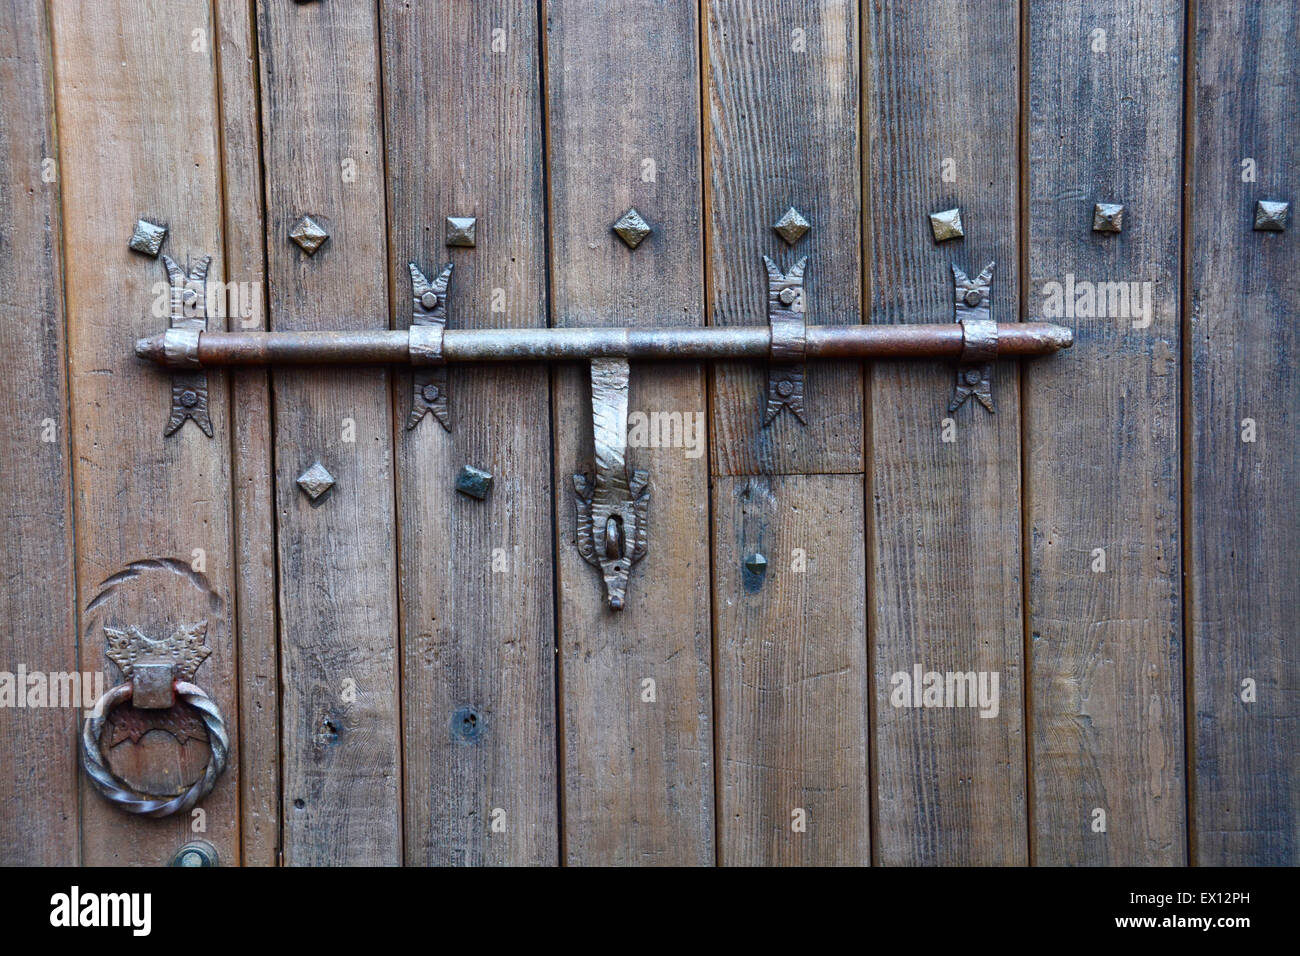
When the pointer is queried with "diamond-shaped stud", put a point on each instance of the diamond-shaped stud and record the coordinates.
(792, 226)
(631, 228)
(148, 237)
(1107, 217)
(1271, 216)
(315, 481)
(474, 482)
(946, 224)
(460, 230)
(309, 235)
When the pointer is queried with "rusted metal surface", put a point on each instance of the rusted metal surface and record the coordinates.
(981, 337)
(785, 318)
(429, 312)
(187, 319)
(612, 505)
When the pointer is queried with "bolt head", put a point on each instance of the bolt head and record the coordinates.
(792, 226)
(315, 481)
(430, 393)
(631, 228)
(429, 301)
(474, 482)
(973, 297)
(198, 853)
(1107, 217)
(309, 235)
(460, 231)
(785, 388)
(189, 398)
(148, 238)
(972, 376)
(788, 296)
(1271, 216)
(946, 224)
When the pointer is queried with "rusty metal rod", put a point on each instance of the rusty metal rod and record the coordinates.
(216, 349)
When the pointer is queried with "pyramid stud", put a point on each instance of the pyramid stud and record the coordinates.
(460, 231)
(315, 481)
(631, 228)
(792, 226)
(1271, 216)
(309, 235)
(1107, 217)
(946, 224)
(148, 237)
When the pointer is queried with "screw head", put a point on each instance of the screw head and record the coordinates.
(1107, 217)
(309, 235)
(792, 226)
(189, 398)
(946, 224)
(632, 228)
(1271, 216)
(429, 301)
(430, 393)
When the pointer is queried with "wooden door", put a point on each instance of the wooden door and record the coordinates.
(1061, 633)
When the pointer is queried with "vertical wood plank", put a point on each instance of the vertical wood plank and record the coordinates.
(337, 560)
(39, 786)
(791, 674)
(464, 138)
(251, 448)
(137, 110)
(1243, 457)
(945, 591)
(783, 120)
(1101, 435)
(623, 88)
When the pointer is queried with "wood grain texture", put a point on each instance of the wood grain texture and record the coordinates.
(137, 110)
(623, 87)
(1242, 334)
(783, 119)
(1101, 435)
(38, 789)
(465, 139)
(792, 672)
(337, 556)
(945, 585)
(251, 442)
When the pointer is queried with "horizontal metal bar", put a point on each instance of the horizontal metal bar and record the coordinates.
(216, 349)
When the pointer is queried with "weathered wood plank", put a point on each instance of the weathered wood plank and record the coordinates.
(945, 585)
(1243, 459)
(251, 447)
(791, 666)
(464, 137)
(783, 120)
(136, 94)
(39, 786)
(337, 557)
(623, 97)
(793, 695)
(1101, 435)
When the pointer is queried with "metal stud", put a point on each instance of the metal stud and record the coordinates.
(198, 853)
(309, 235)
(1107, 217)
(148, 238)
(946, 224)
(460, 231)
(315, 481)
(631, 228)
(792, 226)
(1271, 216)
(474, 482)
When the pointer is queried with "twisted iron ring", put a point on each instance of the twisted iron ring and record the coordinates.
(113, 789)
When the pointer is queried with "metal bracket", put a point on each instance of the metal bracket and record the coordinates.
(973, 308)
(429, 317)
(785, 315)
(188, 317)
(612, 507)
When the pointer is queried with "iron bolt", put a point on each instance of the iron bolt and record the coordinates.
(429, 300)
(974, 297)
(189, 398)
(430, 393)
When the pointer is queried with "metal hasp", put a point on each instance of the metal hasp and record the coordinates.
(188, 316)
(973, 308)
(428, 322)
(785, 316)
(611, 506)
